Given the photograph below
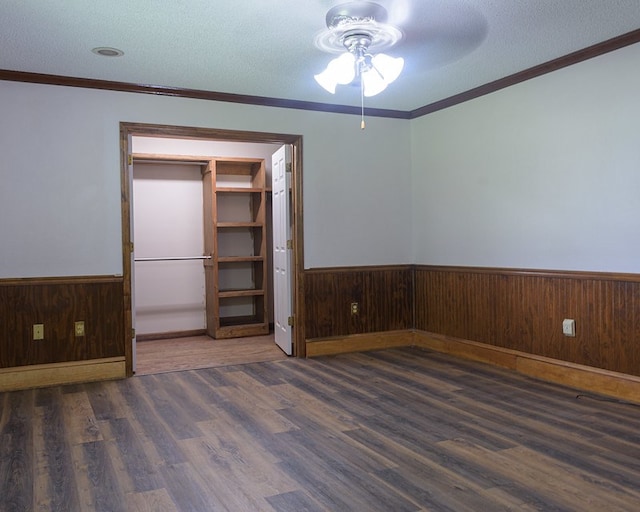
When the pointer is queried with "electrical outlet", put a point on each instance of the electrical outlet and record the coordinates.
(355, 308)
(569, 327)
(79, 328)
(38, 332)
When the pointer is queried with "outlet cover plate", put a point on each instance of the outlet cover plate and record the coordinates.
(38, 332)
(569, 327)
(79, 328)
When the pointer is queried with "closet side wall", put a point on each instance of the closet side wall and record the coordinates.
(168, 223)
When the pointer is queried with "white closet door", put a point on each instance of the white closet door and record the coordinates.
(168, 223)
(280, 184)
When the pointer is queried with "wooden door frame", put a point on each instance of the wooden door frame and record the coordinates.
(213, 134)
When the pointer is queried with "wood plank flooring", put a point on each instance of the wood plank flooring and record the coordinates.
(190, 353)
(396, 430)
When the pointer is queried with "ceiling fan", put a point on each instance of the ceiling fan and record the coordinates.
(357, 30)
(421, 34)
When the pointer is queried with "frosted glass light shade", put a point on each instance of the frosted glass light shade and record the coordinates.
(381, 71)
(341, 70)
(389, 67)
(373, 82)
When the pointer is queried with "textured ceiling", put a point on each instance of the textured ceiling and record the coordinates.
(266, 47)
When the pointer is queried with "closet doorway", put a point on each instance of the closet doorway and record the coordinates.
(163, 252)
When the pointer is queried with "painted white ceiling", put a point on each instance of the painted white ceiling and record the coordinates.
(266, 47)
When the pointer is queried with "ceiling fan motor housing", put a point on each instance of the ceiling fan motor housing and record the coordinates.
(356, 12)
(357, 24)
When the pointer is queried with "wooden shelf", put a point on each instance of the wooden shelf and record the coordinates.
(239, 190)
(239, 320)
(239, 259)
(239, 224)
(235, 198)
(237, 327)
(225, 294)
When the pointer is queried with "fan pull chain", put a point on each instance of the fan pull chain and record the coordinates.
(362, 125)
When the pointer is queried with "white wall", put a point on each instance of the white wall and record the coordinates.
(544, 174)
(60, 177)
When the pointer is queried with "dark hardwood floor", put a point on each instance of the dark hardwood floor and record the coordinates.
(397, 430)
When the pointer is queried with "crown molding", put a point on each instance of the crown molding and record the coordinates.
(590, 52)
(160, 90)
(542, 69)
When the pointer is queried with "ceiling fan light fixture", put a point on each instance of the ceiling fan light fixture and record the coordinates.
(340, 70)
(356, 30)
(381, 72)
(389, 67)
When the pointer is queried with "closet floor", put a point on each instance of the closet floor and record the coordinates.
(170, 355)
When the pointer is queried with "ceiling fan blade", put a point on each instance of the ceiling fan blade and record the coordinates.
(436, 32)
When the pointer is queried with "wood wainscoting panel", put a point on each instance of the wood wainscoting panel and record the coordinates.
(523, 310)
(384, 297)
(57, 303)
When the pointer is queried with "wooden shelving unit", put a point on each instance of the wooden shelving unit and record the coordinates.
(235, 236)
